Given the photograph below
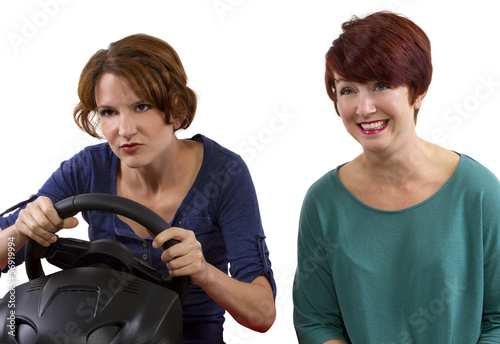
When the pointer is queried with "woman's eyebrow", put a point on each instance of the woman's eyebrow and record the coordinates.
(137, 102)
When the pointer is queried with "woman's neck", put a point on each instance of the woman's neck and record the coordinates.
(180, 162)
(407, 164)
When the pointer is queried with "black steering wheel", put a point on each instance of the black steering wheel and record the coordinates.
(67, 253)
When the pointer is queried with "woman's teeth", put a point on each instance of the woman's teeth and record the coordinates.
(373, 126)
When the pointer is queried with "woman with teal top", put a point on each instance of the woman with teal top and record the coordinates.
(401, 244)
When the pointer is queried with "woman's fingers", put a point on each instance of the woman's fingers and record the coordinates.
(32, 223)
(191, 264)
(185, 258)
(40, 220)
(70, 222)
(176, 233)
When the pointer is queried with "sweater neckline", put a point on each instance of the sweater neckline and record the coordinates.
(442, 189)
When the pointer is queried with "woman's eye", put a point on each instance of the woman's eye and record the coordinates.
(382, 87)
(106, 113)
(143, 107)
(346, 91)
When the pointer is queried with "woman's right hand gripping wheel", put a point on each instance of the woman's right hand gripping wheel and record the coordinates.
(40, 221)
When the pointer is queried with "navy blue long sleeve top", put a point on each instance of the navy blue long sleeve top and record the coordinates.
(221, 208)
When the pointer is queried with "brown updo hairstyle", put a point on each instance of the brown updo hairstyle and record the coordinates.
(384, 47)
(154, 72)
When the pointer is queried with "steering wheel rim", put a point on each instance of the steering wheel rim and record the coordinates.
(112, 204)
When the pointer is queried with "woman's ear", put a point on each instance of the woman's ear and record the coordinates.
(417, 104)
(177, 121)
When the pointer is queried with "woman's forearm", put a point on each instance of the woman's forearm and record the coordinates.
(250, 304)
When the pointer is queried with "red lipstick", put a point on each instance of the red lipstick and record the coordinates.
(373, 127)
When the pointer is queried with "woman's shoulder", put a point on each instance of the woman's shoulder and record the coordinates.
(102, 146)
(325, 185)
(99, 150)
(476, 174)
(213, 147)
(97, 154)
(219, 158)
(220, 163)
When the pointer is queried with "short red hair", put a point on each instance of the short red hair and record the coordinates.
(384, 47)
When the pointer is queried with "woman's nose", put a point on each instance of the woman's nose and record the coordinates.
(366, 105)
(128, 127)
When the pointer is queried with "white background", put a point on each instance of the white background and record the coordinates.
(257, 67)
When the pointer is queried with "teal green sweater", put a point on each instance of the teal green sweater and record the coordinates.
(425, 274)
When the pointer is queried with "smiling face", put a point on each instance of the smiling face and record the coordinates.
(136, 132)
(381, 46)
(379, 116)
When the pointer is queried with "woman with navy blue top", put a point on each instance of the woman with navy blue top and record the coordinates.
(134, 94)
